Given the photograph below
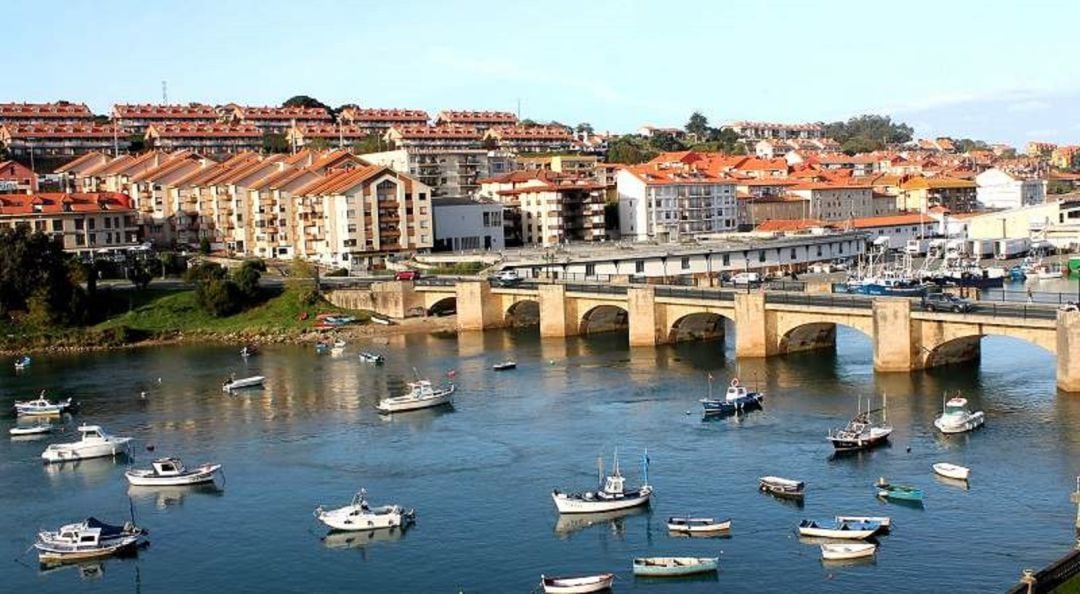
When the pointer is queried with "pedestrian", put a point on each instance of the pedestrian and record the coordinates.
(1031, 296)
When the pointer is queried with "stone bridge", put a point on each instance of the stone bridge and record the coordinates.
(904, 338)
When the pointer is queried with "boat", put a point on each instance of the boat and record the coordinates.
(39, 429)
(838, 529)
(373, 358)
(95, 443)
(694, 526)
(898, 492)
(1048, 273)
(170, 472)
(358, 515)
(862, 432)
(232, 383)
(321, 347)
(956, 418)
(1074, 265)
(674, 566)
(88, 539)
(505, 365)
(249, 351)
(781, 486)
(611, 496)
(952, 471)
(42, 407)
(381, 319)
(421, 395)
(842, 552)
(736, 399)
(22, 362)
(577, 584)
(884, 522)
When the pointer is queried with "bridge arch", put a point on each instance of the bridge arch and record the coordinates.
(959, 347)
(604, 318)
(702, 325)
(525, 312)
(443, 307)
(799, 332)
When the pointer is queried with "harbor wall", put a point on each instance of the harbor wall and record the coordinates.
(1060, 576)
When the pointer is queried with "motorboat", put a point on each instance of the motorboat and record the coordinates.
(95, 443)
(843, 552)
(322, 347)
(358, 515)
(232, 383)
(373, 358)
(22, 362)
(577, 584)
(782, 487)
(952, 471)
(1048, 273)
(88, 539)
(674, 566)
(611, 496)
(39, 429)
(863, 431)
(42, 407)
(736, 399)
(421, 395)
(505, 365)
(898, 492)
(838, 529)
(698, 526)
(956, 418)
(884, 522)
(249, 351)
(170, 472)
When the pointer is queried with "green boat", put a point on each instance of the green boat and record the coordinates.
(1074, 265)
(900, 493)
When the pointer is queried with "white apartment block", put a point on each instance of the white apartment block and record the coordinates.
(998, 189)
(669, 204)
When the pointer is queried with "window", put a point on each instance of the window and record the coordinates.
(792, 253)
(57, 225)
(761, 256)
(727, 260)
(639, 266)
(686, 263)
(108, 223)
(590, 269)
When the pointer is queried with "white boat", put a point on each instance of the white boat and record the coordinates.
(95, 443)
(373, 358)
(884, 521)
(781, 486)
(839, 552)
(577, 584)
(89, 539)
(610, 497)
(956, 418)
(505, 365)
(359, 516)
(238, 384)
(698, 525)
(674, 566)
(39, 429)
(170, 472)
(421, 395)
(22, 362)
(952, 471)
(836, 529)
(1048, 273)
(41, 406)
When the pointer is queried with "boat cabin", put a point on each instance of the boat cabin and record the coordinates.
(956, 406)
(91, 432)
(613, 485)
(168, 467)
(735, 391)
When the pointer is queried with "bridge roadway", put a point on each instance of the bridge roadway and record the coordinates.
(767, 323)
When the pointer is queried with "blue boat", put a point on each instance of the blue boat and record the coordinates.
(737, 399)
(898, 492)
(1016, 273)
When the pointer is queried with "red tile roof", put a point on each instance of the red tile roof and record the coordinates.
(283, 113)
(891, 221)
(445, 131)
(57, 130)
(191, 111)
(51, 203)
(784, 225)
(341, 180)
(476, 117)
(331, 131)
(45, 110)
(372, 114)
(530, 133)
(203, 130)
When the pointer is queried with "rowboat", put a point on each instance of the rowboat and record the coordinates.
(674, 566)
(89, 539)
(898, 492)
(956, 418)
(238, 384)
(610, 497)
(838, 552)
(505, 365)
(358, 515)
(39, 429)
(952, 471)
(373, 358)
(884, 521)
(694, 526)
(781, 487)
(577, 584)
(836, 529)
(421, 395)
(736, 399)
(95, 443)
(41, 406)
(170, 472)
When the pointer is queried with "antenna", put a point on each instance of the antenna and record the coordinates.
(519, 108)
(165, 92)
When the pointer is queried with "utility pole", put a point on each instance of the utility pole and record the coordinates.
(164, 92)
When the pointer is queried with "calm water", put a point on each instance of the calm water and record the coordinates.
(480, 475)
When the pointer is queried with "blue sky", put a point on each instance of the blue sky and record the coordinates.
(999, 71)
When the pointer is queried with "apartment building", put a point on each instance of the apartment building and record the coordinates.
(448, 159)
(769, 130)
(481, 120)
(571, 164)
(769, 149)
(672, 199)
(837, 201)
(83, 222)
(378, 121)
(25, 140)
(920, 194)
(530, 139)
(208, 139)
(463, 224)
(327, 135)
(274, 120)
(548, 208)
(998, 188)
(60, 112)
(17, 178)
(135, 118)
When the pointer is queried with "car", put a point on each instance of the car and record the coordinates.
(407, 274)
(946, 302)
(746, 279)
(506, 278)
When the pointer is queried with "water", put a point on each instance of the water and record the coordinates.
(480, 475)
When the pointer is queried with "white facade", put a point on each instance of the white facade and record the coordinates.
(462, 224)
(998, 189)
(670, 210)
(838, 203)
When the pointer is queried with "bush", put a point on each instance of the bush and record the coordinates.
(204, 246)
(247, 279)
(204, 271)
(219, 297)
(338, 272)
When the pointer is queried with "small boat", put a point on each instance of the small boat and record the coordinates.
(339, 344)
(88, 539)
(358, 515)
(577, 584)
(95, 443)
(674, 566)
(249, 351)
(421, 395)
(505, 365)
(170, 472)
(698, 525)
(611, 496)
(232, 383)
(373, 358)
(956, 418)
(1048, 273)
(22, 362)
(381, 319)
(837, 529)
(841, 552)
(781, 487)
(898, 492)
(736, 399)
(952, 471)
(322, 347)
(862, 432)
(41, 406)
(883, 521)
(39, 429)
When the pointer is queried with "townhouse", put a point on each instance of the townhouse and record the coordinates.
(547, 208)
(481, 120)
(766, 130)
(17, 178)
(61, 112)
(83, 222)
(338, 135)
(209, 139)
(135, 118)
(378, 121)
(530, 139)
(274, 120)
(48, 139)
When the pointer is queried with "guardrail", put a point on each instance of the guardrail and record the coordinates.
(692, 293)
(598, 288)
(1047, 297)
(1004, 310)
(823, 300)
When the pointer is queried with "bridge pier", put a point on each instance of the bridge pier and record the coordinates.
(555, 321)
(476, 309)
(893, 344)
(1068, 351)
(751, 327)
(641, 305)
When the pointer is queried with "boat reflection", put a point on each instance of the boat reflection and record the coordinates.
(359, 539)
(711, 576)
(92, 468)
(951, 482)
(872, 560)
(820, 540)
(87, 570)
(174, 495)
(420, 418)
(700, 535)
(568, 524)
(798, 502)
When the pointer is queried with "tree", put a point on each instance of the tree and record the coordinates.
(662, 141)
(304, 101)
(204, 246)
(868, 133)
(584, 128)
(527, 123)
(140, 277)
(204, 271)
(626, 151)
(275, 143)
(35, 265)
(698, 125)
(247, 278)
(219, 297)
(369, 144)
(136, 143)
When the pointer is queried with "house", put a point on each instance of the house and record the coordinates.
(463, 224)
(274, 120)
(997, 188)
(1040, 149)
(378, 121)
(1066, 157)
(836, 201)
(920, 194)
(83, 222)
(649, 131)
(135, 118)
(61, 112)
(674, 196)
(530, 139)
(765, 130)
(327, 135)
(17, 178)
(548, 208)
(26, 140)
(481, 120)
(209, 139)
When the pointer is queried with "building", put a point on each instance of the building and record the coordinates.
(572, 164)
(326, 135)
(30, 140)
(60, 112)
(17, 178)
(530, 139)
(1054, 222)
(274, 120)
(448, 159)
(378, 121)
(648, 131)
(1040, 149)
(996, 188)
(548, 208)
(1066, 157)
(208, 139)
(675, 196)
(920, 194)
(135, 118)
(481, 120)
(463, 224)
(898, 228)
(768, 130)
(837, 201)
(82, 222)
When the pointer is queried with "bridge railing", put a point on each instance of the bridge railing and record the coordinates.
(1047, 297)
(1024, 311)
(822, 300)
(598, 288)
(692, 293)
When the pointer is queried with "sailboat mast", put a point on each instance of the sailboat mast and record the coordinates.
(600, 470)
(645, 465)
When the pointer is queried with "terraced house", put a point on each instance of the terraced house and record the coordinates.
(530, 139)
(61, 112)
(275, 120)
(49, 139)
(135, 118)
(378, 121)
(208, 139)
(84, 222)
(481, 120)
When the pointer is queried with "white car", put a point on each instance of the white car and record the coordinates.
(508, 276)
(746, 278)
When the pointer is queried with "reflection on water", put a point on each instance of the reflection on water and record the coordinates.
(360, 539)
(614, 522)
(173, 495)
(86, 570)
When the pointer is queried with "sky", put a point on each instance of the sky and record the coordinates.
(992, 70)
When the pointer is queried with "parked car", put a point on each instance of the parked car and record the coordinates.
(407, 274)
(746, 279)
(506, 278)
(946, 302)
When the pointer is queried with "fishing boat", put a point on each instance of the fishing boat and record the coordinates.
(843, 552)
(22, 362)
(577, 584)
(884, 522)
(505, 365)
(39, 429)
(736, 399)
(956, 418)
(863, 431)
(421, 394)
(231, 384)
(898, 492)
(838, 529)
(358, 515)
(170, 472)
(1048, 273)
(674, 566)
(249, 350)
(952, 471)
(782, 487)
(41, 407)
(695, 526)
(94, 443)
(612, 494)
(88, 539)
(373, 358)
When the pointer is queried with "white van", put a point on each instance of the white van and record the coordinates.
(746, 278)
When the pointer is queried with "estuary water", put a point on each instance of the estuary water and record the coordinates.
(480, 474)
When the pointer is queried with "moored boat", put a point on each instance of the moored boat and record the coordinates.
(898, 492)
(840, 552)
(39, 429)
(373, 358)
(952, 471)
(94, 443)
(782, 487)
(41, 406)
(421, 395)
(88, 539)
(674, 566)
(505, 365)
(736, 399)
(22, 362)
(358, 515)
(863, 431)
(583, 584)
(610, 497)
(838, 529)
(232, 383)
(249, 350)
(884, 522)
(170, 472)
(956, 418)
(695, 526)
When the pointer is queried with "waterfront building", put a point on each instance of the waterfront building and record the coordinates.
(61, 112)
(274, 120)
(898, 228)
(378, 121)
(83, 222)
(209, 139)
(1055, 222)
(48, 139)
(530, 139)
(548, 208)
(17, 178)
(998, 188)
(920, 194)
(769, 130)
(481, 120)
(135, 118)
(467, 224)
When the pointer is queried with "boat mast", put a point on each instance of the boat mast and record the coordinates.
(645, 465)
(600, 471)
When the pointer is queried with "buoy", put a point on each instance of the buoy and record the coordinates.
(142, 394)
(159, 380)
(150, 447)
(909, 449)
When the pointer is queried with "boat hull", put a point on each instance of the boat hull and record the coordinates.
(721, 406)
(240, 384)
(824, 532)
(781, 487)
(23, 431)
(842, 444)
(674, 566)
(577, 585)
(203, 474)
(570, 503)
(353, 519)
(970, 423)
(50, 554)
(392, 405)
(713, 528)
(831, 552)
(952, 471)
(71, 452)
